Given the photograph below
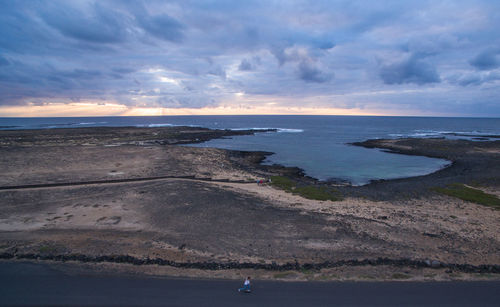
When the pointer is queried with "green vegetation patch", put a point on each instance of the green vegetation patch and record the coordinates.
(470, 194)
(306, 271)
(318, 193)
(283, 183)
(400, 276)
(309, 191)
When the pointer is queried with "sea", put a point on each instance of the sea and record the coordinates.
(320, 145)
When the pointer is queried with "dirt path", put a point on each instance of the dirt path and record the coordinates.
(103, 182)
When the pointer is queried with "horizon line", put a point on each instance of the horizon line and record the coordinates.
(270, 114)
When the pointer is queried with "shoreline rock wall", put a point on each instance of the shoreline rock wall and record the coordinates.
(465, 268)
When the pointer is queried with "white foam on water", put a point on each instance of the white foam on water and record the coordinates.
(159, 125)
(164, 125)
(285, 130)
(290, 130)
(421, 133)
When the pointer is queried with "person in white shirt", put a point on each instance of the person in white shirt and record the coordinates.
(246, 285)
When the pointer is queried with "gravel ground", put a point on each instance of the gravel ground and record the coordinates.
(200, 204)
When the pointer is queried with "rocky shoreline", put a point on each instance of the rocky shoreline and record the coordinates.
(130, 196)
(471, 162)
(176, 135)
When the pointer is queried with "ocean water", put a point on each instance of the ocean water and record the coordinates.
(317, 144)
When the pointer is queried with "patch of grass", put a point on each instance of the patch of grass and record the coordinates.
(475, 184)
(326, 277)
(309, 191)
(283, 183)
(318, 193)
(306, 271)
(470, 194)
(400, 276)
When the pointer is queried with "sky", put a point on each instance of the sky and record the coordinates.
(103, 58)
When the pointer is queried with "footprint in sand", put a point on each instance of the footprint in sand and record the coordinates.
(109, 220)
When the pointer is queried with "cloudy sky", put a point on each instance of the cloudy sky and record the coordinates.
(84, 57)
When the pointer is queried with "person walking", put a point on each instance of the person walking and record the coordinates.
(246, 285)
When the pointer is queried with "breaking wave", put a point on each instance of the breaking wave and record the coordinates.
(445, 133)
(284, 130)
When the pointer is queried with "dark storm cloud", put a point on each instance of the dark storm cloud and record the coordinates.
(33, 82)
(476, 78)
(325, 45)
(98, 25)
(471, 79)
(486, 60)
(199, 53)
(310, 73)
(245, 65)
(84, 74)
(414, 69)
(162, 26)
(17, 29)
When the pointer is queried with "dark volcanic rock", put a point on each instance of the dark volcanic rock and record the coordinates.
(113, 135)
(214, 266)
(471, 162)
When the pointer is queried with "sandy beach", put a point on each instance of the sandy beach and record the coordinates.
(102, 192)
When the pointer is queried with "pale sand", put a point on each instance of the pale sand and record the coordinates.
(440, 215)
(428, 224)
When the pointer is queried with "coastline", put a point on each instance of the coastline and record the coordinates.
(472, 162)
(191, 209)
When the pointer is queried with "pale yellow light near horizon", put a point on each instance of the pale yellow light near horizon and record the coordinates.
(113, 109)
